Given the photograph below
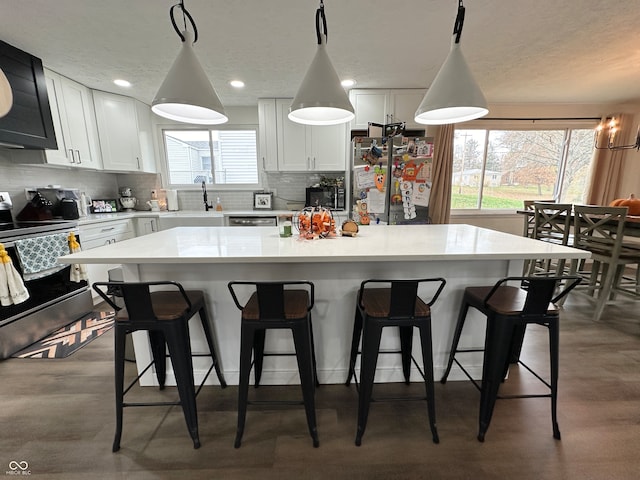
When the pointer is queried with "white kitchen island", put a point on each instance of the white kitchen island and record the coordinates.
(208, 258)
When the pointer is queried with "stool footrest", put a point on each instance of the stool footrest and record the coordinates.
(397, 399)
(275, 402)
(150, 404)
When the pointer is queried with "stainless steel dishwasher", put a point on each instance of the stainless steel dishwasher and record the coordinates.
(252, 221)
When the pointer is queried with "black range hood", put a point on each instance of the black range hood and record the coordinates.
(29, 123)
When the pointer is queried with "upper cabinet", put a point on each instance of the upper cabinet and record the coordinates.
(268, 138)
(145, 136)
(74, 124)
(125, 133)
(298, 147)
(385, 106)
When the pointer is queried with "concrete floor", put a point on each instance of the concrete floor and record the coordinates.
(58, 416)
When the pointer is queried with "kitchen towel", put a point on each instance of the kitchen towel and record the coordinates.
(12, 289)
(39, 255)
(78, 270)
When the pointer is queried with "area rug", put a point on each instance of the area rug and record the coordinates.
(70, 339)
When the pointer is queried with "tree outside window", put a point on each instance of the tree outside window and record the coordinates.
(498, 169)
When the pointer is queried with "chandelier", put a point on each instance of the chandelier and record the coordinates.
(611, 125)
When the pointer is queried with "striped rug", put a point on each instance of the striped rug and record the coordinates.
(69, 339)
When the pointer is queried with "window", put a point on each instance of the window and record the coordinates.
(499, 168)
(220, 157)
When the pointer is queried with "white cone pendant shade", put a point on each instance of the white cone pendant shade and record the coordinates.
(454, 95)
(321, 99)
(6, 95)
(186, 95)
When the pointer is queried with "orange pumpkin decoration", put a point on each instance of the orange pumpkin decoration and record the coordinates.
(632, 203)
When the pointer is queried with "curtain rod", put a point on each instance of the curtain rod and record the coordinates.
(540, 119)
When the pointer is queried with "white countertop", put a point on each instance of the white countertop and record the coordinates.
(102, 217)
(373, 243)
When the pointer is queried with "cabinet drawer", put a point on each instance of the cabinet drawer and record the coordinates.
(103, 233)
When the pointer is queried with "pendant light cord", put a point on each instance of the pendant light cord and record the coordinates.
(320, 16)
(185, 15)
(457, 27)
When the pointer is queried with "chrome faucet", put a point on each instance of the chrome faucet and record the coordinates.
(207, 206)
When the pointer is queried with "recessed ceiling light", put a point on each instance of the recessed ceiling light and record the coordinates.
(236, 83)
(122, 83)
(348, 83)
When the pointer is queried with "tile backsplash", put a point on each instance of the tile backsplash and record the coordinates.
(14, 177)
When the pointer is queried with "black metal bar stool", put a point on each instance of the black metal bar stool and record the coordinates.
(509, 309)
(273, 305)
(165, 315)
(396, 304)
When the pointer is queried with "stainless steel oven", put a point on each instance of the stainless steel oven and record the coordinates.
(54, 300)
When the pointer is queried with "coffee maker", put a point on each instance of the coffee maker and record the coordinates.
(127, 200)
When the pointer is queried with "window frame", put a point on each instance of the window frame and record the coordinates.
(566, 124)
(164, 164)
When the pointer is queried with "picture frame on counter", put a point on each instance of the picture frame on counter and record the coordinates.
(104, 206)
(262, 200)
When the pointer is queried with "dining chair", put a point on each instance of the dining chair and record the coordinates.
(528, 225)
(552, 224)
(529, 219)
(600, 230)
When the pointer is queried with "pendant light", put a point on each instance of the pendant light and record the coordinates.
(321, 99)
(6, 95)
(186, 95)
(454, 95)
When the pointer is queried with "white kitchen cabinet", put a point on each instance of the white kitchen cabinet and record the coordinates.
(74, 125)
(308, 148)
(268, 138)
(119, 119)
(145, 136)
(103, 233)
(146, 225)
(385, 106)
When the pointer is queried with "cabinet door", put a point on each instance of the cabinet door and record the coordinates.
(145, 137)
(79, 124)
(62, 155)
(403, 105)
(117, 124)
(267, 132)
(328, 147)
(293, 154)
(369, 106)
(146, 225)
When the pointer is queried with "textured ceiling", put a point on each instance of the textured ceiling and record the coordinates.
(560, 51)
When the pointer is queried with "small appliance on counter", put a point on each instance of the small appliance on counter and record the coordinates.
(328, 196)
(69, 209)
(127, 200)
(52, 201)
(38, 208)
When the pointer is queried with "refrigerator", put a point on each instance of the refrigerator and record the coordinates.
(390, 180)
